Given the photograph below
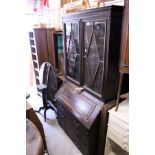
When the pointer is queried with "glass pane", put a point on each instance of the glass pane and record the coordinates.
(71, 65)
(59, 41)
(100, 48)
(72, 56)
(76, 69)
(97, 87)
(68, 32)
(87, 76)
(68, 28)
(99, 30)
(88, 27)
(75, 35)
(60, 51)
(94, 44)
(93, 60)
(72, 46)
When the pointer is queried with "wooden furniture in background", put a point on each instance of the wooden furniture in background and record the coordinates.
(34, 56)
(59, 54)
(92, 47)
(31, 115)
(124, 56)
(42, 48)
(117, 141)
(45, 45)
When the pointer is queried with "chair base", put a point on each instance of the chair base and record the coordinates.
(45, 109)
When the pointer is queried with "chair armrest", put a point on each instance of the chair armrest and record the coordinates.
(41, 86)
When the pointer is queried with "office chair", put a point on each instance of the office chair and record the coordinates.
(49, 85)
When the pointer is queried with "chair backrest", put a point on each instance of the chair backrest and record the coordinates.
(52, 86)
(43, 73)
(50, 79)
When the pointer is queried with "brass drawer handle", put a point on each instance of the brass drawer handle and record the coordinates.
(78, 90)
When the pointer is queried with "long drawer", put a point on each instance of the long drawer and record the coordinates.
(74, 129)
(79, 134)
(119, 138)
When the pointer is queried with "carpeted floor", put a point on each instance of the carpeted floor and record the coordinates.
(58, 143)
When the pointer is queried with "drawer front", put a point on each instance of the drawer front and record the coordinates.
(74, 129)
(119, 138)
(83, 138)
(119, 124)
(68, 123)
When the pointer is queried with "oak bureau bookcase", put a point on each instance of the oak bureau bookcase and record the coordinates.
(91, 46)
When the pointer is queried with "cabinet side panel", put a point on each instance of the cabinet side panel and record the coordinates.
(111, 83)
(41, 44)
(50, 46)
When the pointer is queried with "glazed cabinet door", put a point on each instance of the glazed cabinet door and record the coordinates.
(72, 51)
(94, 37)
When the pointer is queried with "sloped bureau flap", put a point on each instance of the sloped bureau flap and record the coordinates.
(82, 105)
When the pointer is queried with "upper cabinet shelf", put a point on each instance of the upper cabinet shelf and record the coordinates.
(92, 49)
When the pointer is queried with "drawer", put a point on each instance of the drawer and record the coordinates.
(121, 139)
(72, 135)
(63, 125)
(118, 124)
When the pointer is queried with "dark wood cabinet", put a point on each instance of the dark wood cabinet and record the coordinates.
(83, 117)
(42, 48)
(45, 45)
(79, 116)
(92, 48)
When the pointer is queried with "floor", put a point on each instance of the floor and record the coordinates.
(58, 143)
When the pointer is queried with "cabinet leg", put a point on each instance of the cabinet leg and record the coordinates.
(119, 90)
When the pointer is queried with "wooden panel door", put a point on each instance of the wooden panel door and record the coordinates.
(50, 46)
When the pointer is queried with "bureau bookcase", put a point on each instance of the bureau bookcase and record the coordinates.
(91, 47)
